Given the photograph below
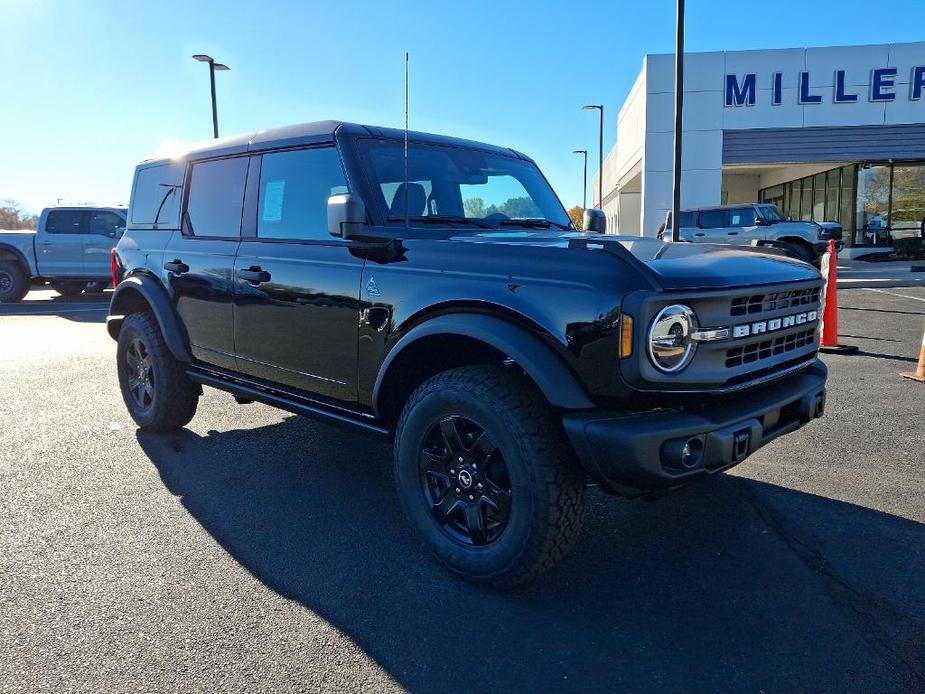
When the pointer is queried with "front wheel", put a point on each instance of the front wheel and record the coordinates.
(159, 395)
(486, 475)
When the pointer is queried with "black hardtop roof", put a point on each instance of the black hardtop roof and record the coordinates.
(723, 207)
(317, 132)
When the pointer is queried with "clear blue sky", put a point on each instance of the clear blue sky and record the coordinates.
(92, 86)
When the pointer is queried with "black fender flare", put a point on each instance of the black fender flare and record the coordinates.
(547, 369)
(155, 296)
(18, 254)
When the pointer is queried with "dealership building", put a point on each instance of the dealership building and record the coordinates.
(827, 134)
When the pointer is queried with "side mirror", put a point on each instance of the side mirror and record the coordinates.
(595, 220)
(346, 215)
(762, 222)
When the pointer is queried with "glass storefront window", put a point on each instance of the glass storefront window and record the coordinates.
(793, 206)
(873, 208)
(819, 198)
(806, 199)
(831, 195)
(907, 216)
(846, 204)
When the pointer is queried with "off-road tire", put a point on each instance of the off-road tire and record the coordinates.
(14, 282)
(546, 482)
(175, 396)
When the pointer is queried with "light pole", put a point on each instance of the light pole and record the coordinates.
(213, 66)
(600, 158)
(584, 187)
(678, 109)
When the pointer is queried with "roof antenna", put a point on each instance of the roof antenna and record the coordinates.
(406, 140)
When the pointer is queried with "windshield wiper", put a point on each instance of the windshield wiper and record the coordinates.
(534, 223)
(440, 219)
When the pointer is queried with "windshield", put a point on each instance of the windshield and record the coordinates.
(459, 186)
(770, 213)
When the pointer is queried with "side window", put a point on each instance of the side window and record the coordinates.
(713, 219)
(64, 222)
(105, 223)
(294, 191)
(216, 198)
(687, 219)
(150, 197)
(742, 217)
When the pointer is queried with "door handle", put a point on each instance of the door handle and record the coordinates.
(254, 274)
(733, 233)
(699, 233)
(177, 266)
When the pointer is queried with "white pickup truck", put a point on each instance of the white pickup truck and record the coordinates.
(69, 250)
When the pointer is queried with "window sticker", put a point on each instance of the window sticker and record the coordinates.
(273, 195)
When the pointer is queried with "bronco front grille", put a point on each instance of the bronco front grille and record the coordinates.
(757, 351)
(773, 301)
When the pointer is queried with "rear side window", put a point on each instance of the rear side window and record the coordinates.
(742, 217)
(687, 219)
(65, 222)
(150, 197)
(294, 191)
(713, 219)
(216, 198)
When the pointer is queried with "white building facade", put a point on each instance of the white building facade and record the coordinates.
(829, 134)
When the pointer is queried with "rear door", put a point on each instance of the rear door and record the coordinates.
(297, 287)
(59, 248)
(103, 230)
(199, 260)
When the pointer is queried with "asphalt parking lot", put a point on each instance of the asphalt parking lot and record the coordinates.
(256, 550)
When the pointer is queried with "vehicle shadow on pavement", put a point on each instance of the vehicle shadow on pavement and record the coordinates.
(727, 585)
(85, 308)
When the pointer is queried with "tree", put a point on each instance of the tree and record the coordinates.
(12, 216)
(577, 215)
(474, 208)
(520, 208)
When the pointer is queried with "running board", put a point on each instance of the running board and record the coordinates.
(285, 401)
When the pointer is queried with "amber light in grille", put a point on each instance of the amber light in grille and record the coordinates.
(626, 336)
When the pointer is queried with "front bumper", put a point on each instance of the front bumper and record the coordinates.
(643, 452)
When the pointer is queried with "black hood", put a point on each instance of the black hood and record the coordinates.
(672, 265)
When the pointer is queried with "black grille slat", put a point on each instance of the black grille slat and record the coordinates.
(773, 301)
(758, 351)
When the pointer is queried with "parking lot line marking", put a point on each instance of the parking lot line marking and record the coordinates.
(901, 296)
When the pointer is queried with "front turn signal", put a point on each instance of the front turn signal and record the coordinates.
(626, 336)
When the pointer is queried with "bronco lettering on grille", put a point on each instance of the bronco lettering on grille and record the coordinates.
(769, 326)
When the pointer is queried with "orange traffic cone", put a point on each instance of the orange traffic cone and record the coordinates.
(919, 374)
(829, 343)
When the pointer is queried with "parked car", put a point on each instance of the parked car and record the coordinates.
(744, 225)
(442, 300)
(70, 250)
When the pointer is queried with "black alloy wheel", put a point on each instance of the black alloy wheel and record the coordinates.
(139, 372)
(465, 480)
(6, 281)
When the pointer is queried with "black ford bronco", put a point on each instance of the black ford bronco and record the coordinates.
(434, 293)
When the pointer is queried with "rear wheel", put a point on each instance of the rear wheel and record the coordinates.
(486, 475)
(159, 395)
(14, 283)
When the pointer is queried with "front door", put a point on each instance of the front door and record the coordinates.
(297, 287)
(199, 260)
(59, 249)
(103, 230)
(712, 226)
(742, 229)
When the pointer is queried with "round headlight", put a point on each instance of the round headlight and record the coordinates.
(670, 345)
